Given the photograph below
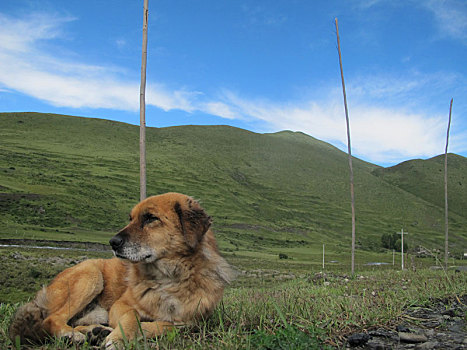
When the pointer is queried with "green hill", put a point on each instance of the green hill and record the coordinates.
(425, 179)
(73, 178)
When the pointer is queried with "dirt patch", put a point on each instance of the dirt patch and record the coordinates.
(52, 243)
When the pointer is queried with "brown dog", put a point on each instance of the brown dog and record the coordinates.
(168, 271)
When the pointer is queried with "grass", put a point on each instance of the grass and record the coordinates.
(309, 311)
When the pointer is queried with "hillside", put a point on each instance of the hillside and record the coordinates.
(75, 178)
(423, 178)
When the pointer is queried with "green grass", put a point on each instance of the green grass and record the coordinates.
(309, 311)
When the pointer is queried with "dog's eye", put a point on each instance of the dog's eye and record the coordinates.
(130, 218)
(148, 218)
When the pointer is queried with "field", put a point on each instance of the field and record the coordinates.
(272, 302)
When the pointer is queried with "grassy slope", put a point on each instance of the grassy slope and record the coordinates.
(266, 192)
(425, 179)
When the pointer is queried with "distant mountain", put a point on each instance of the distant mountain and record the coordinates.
(76, 178)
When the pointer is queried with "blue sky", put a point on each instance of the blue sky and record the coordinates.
(260, 65)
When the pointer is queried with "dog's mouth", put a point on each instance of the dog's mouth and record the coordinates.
(135, 258)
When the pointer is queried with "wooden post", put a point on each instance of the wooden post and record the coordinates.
(402, 233)
(323, 257)
(352, 198)
(446, 227)
(142, 107)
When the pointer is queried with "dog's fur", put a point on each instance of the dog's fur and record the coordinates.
(167, 271)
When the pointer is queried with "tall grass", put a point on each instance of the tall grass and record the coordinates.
(311, 312)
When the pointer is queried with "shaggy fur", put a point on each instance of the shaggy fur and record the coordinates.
(168, 271)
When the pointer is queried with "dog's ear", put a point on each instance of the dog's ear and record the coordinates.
(194, 222)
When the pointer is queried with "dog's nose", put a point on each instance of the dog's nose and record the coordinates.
(116, 242)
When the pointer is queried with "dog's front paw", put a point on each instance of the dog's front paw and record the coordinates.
(98, 334)
(112, 342)
(112, 345)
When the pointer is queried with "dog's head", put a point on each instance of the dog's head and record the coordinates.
(167, 225)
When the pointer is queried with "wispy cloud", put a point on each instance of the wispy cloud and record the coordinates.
(451, 17)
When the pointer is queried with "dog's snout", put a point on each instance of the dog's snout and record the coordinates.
(116, 242)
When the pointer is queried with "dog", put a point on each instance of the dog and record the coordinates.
(167, 271)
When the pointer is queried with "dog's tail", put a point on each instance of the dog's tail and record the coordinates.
(27, 322)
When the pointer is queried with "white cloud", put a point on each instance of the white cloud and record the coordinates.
(220, 109)
(379, 134)
(17, 36)
(27, 68)
(451, 17)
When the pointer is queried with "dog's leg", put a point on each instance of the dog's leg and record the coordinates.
(132, 327)
(68, 294)
(156, 328)
(150, 330)
(122, 317)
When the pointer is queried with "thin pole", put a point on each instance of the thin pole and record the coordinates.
(402, 247)
(323, 256)
(446, 227)
(142, 106)
(352, 197)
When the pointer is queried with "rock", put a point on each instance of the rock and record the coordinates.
(376, 345)
(358, 339)
(382, 333)
(456, 327)
(427, 345)
(412, 337)
(403, 329)
(450, 313)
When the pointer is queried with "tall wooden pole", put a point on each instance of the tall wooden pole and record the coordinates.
(402, 233)
(352, 197)
(323, 257)
(142, 107)
(446, 227)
